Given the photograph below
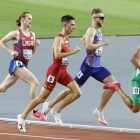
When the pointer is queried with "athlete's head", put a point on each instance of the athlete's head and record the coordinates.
(98, 16)
(68, 23)
(24, 18)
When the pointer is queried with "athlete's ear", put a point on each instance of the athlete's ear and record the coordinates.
(64, 25)
(22, 19)
(93, 18)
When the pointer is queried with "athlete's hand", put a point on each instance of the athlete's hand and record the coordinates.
(105, 42)
(37, 42)
(14, 53)
(77, 49)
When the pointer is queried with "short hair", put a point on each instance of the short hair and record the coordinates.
(67, 19)
(96, 11)
(22, 15)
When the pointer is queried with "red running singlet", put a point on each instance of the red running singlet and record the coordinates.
(57, 71)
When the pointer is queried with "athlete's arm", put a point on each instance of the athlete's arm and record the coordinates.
(11, 36)
(36, 43)
(90, 33)
(134, 57)
(83, 39)
(58, 46)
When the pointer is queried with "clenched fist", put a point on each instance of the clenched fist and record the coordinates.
(37, 42)
(14, 53)
(77, 49)
(105, 42)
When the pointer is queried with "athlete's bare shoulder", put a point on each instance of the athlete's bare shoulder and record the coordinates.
(91, 31)
(58, 40)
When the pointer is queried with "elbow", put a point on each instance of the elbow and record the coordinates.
(56, 57)
(82, 40)
(87, 48)
(0, 42)
(131, 59)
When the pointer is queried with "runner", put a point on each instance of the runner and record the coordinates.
(91, 66)
(133, 104)
(25, 45)
(56, 72)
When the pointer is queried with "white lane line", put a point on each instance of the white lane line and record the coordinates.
(90, 127)
(36, 136)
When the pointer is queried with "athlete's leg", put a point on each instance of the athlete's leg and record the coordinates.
(133, 104)
(80, 78)
(75, 93)
(107, 93)
(61, 95)
(8, 82)
(40, 99)
(25, 75)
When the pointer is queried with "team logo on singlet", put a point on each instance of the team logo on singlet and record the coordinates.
(27, 43)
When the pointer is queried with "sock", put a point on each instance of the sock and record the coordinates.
(34, 111)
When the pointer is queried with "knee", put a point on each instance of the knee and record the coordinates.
(67, 91)
(3, 89)
(41, 99)
(78, 94)
(35, 84)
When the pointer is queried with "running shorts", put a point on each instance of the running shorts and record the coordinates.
(55, 75)
(16, 63)
(99, 73)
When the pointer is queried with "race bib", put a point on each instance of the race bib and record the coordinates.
(136, 90)
(27, 54)
(51, 79)
(19, 63)
(80, 74)
(65, 61)
(98, 51)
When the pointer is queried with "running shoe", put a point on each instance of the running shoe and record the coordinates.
(38, 116)
(56, 117)
(21, 123)
(45, 111)
(111, 86)
(100, 116)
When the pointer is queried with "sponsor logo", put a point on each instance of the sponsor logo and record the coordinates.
(36, 116)
(45, 86)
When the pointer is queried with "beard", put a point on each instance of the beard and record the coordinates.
(99, 24)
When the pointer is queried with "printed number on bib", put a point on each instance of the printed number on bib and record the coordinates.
(19, 63)
(99, 51)
(80, 74)
(51, 79)
(27, 54)
(65, 61)
(136, 90)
